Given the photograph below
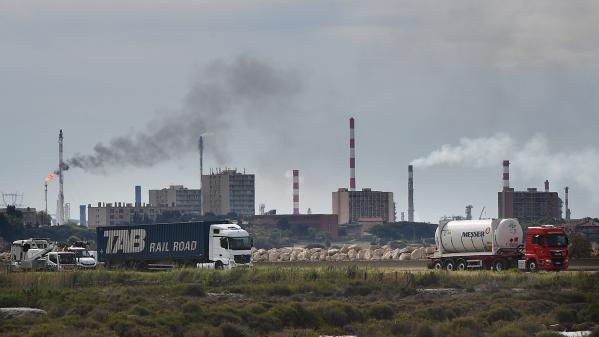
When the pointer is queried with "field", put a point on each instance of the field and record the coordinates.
(306, 301)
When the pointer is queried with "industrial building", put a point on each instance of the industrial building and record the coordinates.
(323, 223)
(30, 216)
(228, 191)
(175, 196)
(363, 206)
(527, 206)
(113, 214)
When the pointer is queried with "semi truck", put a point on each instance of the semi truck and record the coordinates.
(498, 244)
(201, 244)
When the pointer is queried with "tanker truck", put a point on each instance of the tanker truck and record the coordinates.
(202, 244)
(498, 244)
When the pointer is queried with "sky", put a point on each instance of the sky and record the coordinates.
(453, 87)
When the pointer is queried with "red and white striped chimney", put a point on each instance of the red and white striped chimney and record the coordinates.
(296, 192)
(352, 156)
(506, 175)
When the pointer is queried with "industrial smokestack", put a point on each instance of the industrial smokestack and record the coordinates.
(567, 204)
(506, 175)
(60, 201)
(352, 156)
(410, 193)
(296, 192)
(546, 185)
(469, 212)
(201, 148)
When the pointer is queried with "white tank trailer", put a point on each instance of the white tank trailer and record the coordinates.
(493, 243)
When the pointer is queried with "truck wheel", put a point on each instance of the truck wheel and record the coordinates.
(499, 265)
(461, 265)
(218, 265)
(449, 266)
(532, 266)
(438, 265)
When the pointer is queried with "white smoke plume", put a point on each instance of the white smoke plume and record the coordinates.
(533, 159)
(243, 90)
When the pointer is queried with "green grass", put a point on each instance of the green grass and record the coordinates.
(270, 301)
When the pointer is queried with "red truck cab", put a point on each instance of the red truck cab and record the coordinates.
(546, 248)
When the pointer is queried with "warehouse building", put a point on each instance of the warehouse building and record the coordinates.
(364, 205)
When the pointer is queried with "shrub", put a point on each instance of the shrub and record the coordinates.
(194, 290)
(380, 311)
(232, 330)
(424, 330)
(294, 315)
(579, 246)
(509, 331)
(591, 313)
(499, 312)
(564, 314)
(336, 313)
(357, 289)
(436, 313)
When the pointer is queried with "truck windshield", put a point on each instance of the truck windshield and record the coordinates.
(556, 240)
(240, 243)
(66, 258)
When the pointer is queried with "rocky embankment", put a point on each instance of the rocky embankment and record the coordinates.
(345, 253)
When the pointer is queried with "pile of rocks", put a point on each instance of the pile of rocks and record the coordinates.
(345, 253)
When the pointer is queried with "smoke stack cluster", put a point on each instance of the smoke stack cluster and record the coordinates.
(352, 156)
(410, 193)
(296, 192)
(546, 185)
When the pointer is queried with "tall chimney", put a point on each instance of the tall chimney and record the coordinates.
(296, 192)
(506, 187)
(506, 175)
(546, 185)
(352, 156)
(567, 204)
(60, 201)
(201, 148)
(410, 193)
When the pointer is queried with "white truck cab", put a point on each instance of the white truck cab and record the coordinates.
(83, 257)
(229, 246)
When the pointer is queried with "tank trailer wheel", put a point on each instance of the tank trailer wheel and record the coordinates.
(437, 265)
(449, 266)
(218, 265)
(461, 265)
(499, 265)
(531, 266)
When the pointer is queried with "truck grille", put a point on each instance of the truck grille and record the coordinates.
(557, 262)
(242, 258)
(557, 254)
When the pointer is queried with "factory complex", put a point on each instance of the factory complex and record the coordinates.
(231, 193)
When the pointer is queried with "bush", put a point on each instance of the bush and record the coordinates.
(564, 314)
(380, 311)
(509, 331)
(336, 313)
(232, 330)
(499, 312)
(591, 313)
(194, 290)
(295, 315)
(424, 330)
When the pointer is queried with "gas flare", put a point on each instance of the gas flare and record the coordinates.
(49, 177)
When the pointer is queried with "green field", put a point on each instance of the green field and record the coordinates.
(270, 301)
